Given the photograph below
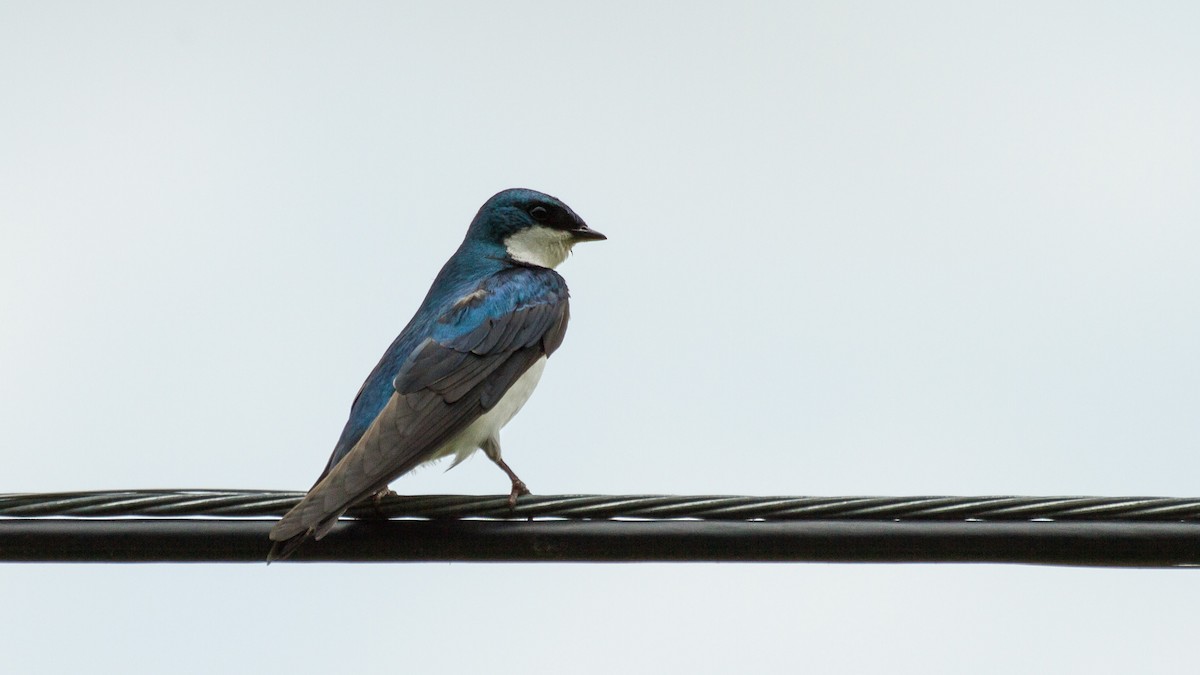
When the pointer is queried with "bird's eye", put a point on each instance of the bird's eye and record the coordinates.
(539, 213)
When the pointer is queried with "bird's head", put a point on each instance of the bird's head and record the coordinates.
(532, 227)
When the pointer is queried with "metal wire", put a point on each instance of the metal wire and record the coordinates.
(261, 503)
(1081, 543)
(232, 526)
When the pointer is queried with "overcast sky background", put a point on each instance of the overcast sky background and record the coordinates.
(855, 248)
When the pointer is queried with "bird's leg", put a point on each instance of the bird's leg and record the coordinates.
(491, 448)
(518, 486)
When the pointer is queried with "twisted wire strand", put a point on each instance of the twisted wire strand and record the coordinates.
(266, 503)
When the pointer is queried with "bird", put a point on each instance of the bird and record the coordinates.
(463, 366)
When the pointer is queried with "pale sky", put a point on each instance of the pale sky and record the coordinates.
(855, 248)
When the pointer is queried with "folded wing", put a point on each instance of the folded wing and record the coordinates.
(477, 349)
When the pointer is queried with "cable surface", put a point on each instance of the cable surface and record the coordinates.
(232, 526)
(261, 503)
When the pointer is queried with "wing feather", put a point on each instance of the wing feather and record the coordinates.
(478, 348)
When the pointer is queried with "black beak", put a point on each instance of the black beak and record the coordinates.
(585, 233)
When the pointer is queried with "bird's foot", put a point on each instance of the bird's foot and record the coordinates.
(518, 489)
(377, 500)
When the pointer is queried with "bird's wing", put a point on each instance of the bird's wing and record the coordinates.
(477, 349)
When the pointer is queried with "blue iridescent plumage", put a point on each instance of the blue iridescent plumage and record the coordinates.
(462, 366)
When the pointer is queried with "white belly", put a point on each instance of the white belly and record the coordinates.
(490, 423)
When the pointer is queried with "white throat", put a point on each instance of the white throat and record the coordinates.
(540, 245)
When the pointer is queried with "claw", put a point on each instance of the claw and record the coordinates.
(518, 488)
(377, 499)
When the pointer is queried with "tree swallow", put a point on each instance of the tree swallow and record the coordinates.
(462, 367)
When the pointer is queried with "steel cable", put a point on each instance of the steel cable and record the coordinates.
(265, 503)
(233, 525)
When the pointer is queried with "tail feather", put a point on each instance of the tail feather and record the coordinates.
(290, 532)
(283, 549)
